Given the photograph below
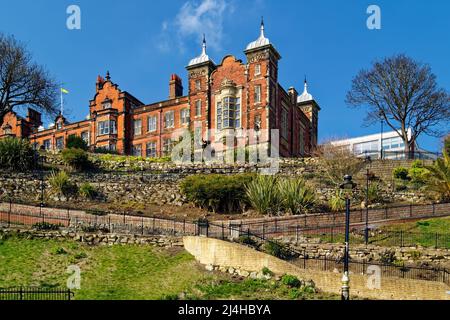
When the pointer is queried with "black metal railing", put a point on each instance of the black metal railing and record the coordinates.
(303, 260)
(289, 225)
(140, 225)
(400, 155)
(35, 293)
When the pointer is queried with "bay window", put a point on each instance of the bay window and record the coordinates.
(229, 113)
(106, 127)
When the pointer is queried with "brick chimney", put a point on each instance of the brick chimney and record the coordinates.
(175, 87)
(293, 94)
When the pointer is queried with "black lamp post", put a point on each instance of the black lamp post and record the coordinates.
(366, 230)
(347, 185)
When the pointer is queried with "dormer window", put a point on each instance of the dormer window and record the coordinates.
(59, 125)
(107, 104)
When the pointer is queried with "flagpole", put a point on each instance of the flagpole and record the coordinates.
(62, 103)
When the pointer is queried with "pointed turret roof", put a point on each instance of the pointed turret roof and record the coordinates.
(305, 96)
(203, 57)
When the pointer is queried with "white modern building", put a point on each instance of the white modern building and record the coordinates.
(388, 145)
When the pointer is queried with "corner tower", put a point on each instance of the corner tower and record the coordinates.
(199, 73)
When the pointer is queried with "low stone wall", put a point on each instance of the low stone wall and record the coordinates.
(94, 238)
(417, 255)
(149, 188)
(225, 254)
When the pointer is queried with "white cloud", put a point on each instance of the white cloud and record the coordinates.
(192, 20)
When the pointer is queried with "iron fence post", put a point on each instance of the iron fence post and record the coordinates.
(223, 232)
(9, 213)
(401, 238)
(436, 240)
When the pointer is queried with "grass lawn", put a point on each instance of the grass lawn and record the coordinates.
(128, 272)
(434, 225)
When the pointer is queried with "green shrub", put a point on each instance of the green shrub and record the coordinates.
(247, 240)
(291, 281)
(106, 151)
(94, 228)
(388, 257)
(417, 164)
(96, 212)
(215, 192)
(17, 154)
(75, 142)
(87, 190)
(61, 185)
(374, 193)
(264, 195)
(418, 175)
(76, 158)
(275, 249)
(267, 272)
(46, 226)
(60, 251)
(81, 255)
(337, 202)
(295, 195)
(400, 173)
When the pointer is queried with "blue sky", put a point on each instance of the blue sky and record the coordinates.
(143, 42)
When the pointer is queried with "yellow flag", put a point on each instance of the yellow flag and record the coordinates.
(64, 91)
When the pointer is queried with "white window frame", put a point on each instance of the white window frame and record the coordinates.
(49, 145)
(228, 113)
(59, 146)
(136, 147)
(150, 149)
(152, 123)
(167, 146)
(257, 69)
(198, 108)
(106, 127)
(169, 119)
(257, 93)
(184, 116)
(137, 128)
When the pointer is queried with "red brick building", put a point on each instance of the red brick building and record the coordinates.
(230, 96)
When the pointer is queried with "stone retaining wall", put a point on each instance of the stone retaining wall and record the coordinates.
(224, 254)
(94, 238)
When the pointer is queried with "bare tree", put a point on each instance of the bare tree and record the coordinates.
(23, 82)
(404, 93)
(338, 161)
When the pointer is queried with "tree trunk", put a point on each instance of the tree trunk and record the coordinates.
(409, 153)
